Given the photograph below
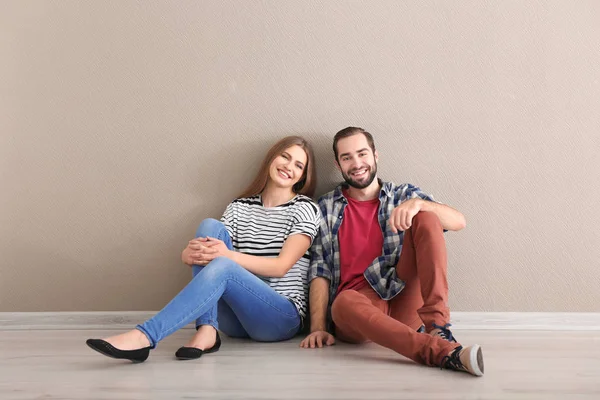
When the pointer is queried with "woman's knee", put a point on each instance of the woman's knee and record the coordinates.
(209, 227)
(221, 268)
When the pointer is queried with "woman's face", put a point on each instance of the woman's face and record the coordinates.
(288, 167)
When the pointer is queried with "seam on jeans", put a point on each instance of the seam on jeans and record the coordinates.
(296, 328)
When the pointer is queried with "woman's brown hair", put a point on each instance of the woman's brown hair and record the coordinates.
(307, 183)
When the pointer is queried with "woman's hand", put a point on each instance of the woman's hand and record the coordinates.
(197, 252)
(216, 248)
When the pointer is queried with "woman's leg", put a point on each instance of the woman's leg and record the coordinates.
(265, 314)
(135, 339)
(221, 316)
(206, 336)
(215, 229)
(229, 322)
(258, 312)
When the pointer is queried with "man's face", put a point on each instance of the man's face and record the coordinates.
(356, 161)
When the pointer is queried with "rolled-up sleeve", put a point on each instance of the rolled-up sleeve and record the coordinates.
(413, 192)
(318, 264)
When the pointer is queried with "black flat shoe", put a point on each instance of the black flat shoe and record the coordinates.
(191, 353)
(103, 347)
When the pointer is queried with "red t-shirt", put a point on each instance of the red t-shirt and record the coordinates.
(361, 241)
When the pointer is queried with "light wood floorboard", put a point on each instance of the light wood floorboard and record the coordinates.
(519, 365)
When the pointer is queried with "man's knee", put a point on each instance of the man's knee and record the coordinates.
(209, 227)
(343, 303)
(342, 312)
(427, 220)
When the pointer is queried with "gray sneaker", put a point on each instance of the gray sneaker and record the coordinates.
(467, 359)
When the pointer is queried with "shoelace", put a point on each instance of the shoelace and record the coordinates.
(453, 361)
(445, 333)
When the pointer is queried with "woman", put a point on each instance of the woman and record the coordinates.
(249, 269)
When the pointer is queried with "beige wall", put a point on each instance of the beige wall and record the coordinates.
(124, 124)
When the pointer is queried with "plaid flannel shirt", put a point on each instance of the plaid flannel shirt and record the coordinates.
(325, 250)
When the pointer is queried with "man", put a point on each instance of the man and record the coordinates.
(380, 262)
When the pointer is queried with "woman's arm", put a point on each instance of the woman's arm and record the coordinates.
(293, 248)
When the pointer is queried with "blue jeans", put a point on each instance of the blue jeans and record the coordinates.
(228, 297)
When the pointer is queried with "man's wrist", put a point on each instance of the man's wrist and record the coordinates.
(424, 205)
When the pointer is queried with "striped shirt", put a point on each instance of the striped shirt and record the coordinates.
(261, 231)
(325, 251)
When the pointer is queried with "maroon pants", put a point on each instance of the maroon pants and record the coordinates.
(361, 315)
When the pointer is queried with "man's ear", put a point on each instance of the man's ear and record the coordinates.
(376, 155)
(337, 165)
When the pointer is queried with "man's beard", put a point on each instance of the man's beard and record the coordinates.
(372, 171)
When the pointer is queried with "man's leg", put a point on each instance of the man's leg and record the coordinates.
(359, 317)
(345, 330)
(423, 266)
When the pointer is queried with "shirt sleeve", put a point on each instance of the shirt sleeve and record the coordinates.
(306, 220)
(318, 266)
(413, 192)
(228, 218)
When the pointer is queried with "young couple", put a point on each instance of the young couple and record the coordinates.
(377, 267)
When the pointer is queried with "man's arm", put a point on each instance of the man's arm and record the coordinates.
(451, 219)
(402, 216)
(318, 299)
(319, 276)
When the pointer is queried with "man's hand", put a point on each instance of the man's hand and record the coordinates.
(317, 339)
(402, 216)
(197, 252)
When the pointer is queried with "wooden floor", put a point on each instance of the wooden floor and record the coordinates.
(57, 364)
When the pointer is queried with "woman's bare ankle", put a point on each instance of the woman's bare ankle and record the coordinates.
(205, 337)
(131, 340)
(143, 339)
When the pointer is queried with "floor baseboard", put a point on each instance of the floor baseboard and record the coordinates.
(527, 321)
(536, 321)
(73, 320)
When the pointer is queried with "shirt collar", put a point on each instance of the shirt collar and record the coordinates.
(386, 190)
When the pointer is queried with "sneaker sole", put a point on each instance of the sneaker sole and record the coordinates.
(476, 360)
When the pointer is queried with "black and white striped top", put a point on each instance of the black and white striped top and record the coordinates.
(261, 231)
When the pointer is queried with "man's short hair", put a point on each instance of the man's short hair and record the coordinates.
(351, 131)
